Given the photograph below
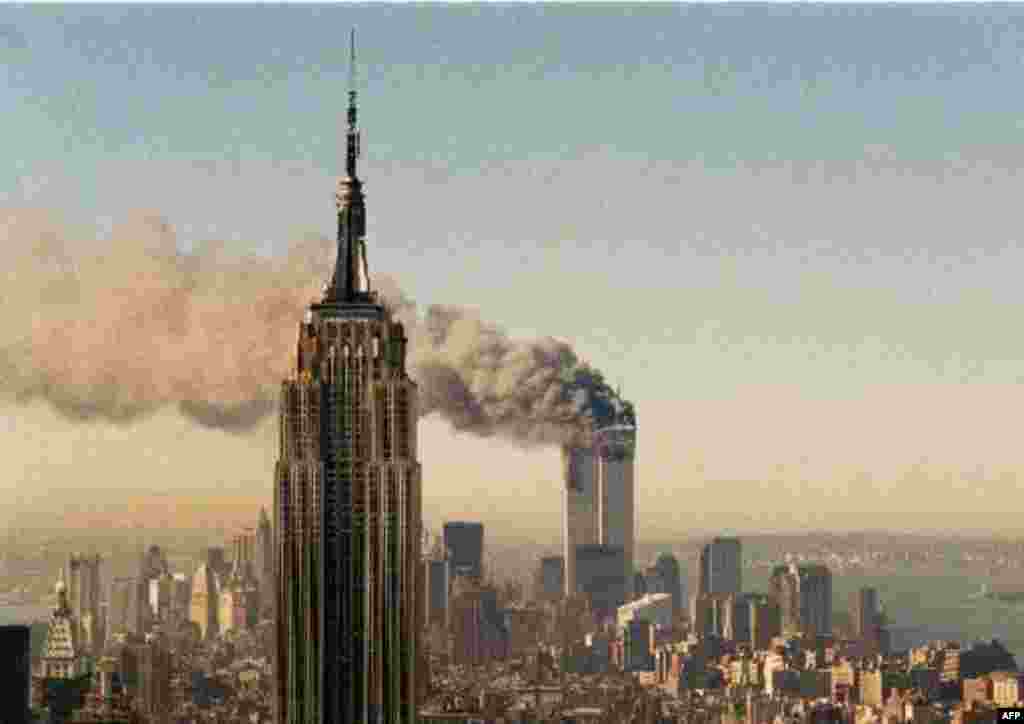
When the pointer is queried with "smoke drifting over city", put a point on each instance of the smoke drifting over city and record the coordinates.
(117, 328)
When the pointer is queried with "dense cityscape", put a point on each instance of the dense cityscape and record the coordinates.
(169, 637)
(340, 605)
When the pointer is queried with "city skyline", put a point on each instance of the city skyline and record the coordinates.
(856, 359)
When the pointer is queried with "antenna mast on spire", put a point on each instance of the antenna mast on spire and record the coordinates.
(353, 131)
(351, 280)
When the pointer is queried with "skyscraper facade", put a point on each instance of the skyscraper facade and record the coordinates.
(216, 560)
(264, 564)
(153, 681)
(129, 609)
(124, 607)
(804, 597)
(204, 607)
(550, 584)
(617, 511)
(438, 589)
(668, 579)
(816, 600)
(464, 542)
(243, 550)
(765, 621)
(721, 567)
(152, 565)
(348, 514)
(600, 499)
(579, 507)
(601, 578)
(82, 574)
(161, 595)
(785, 592)
(62, 658)
(478, 633)
(238, 602)
(865, 614)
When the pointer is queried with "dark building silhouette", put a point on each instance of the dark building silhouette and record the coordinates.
(550, 583)
(152, 563)
(984, 658)
(765, 620)
(639, 585)
(438, 588)
(868, 622)
(464, 542)
(865, 612)
(721, 567)
(600, 577)
(217, 561)
(347, 507)
(478, 628)
(670, 581)
(15, 674)
(151, 669)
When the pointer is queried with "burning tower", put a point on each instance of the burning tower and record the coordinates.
(600, 509)
(347, 500)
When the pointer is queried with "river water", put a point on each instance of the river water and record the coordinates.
(927, 605)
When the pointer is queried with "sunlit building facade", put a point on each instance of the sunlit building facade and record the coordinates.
(204, 608)
(82, 575)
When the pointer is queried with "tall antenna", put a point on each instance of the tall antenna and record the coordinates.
(352, 61)
(353, 132)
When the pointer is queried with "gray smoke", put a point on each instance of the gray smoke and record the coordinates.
(118, 328)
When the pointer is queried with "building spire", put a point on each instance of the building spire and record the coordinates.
(352, 151)
(351, 281)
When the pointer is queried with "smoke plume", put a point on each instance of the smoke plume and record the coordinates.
(117, 328)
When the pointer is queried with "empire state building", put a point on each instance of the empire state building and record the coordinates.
(347, 499)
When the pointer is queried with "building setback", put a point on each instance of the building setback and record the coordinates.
(347, 508)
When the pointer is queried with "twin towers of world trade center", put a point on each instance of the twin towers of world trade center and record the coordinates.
(347, 499)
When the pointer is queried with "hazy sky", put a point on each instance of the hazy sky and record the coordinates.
(792, 232)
